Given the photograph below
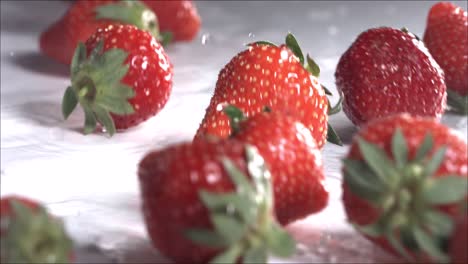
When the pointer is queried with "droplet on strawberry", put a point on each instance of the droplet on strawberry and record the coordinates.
(404, 178)
(110, 78)
(446, 39)
(267, 75)
(387, 71)
(30, 235)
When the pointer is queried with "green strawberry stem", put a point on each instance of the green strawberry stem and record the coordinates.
(311, 66)
(135, 13)
(96, 86)
(243, 220)
(457, 103)
(406, 195)
(32, 236)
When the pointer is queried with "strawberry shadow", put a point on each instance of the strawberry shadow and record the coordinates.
(38, 63)
(48, 114)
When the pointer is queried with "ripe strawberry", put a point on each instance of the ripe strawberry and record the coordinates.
(388, 71)
(294, 160)
(403, 179)
(121, 78)
(459, 241)
(266, 75)
(30, 235)
(82, 19)
(446, 39)
(179, 17)
(198, 202)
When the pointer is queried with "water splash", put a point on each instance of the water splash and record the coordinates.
(205, 38)
(251, 35)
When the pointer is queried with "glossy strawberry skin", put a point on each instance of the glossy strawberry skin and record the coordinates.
(265, 75)
(180, 17)
(60, 39)
(150, 72)
(446, 39)
(387, 71)
(294, 160)
(459, 241)
(414, 129)
(170, 180)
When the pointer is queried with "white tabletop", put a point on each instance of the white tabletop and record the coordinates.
(91, 180)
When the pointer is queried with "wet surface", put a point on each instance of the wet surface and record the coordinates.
(91, 181)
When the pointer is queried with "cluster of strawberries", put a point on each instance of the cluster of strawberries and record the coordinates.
(255, 163)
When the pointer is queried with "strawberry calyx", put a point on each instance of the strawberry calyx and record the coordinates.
(135, 13)
(32, 236)
(96, 85)
(313, 68)
(457, 103)
(236, 116)
(406, 195)
(243, 221)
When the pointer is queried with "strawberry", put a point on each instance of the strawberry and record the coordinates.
(120, 77)
(294, 158)
(199, 205)
(179, 17)
(387, 71)
(83, 18)
(30, 235)
(266, 75)
(404, 178)
(459, 241)
(446, 39)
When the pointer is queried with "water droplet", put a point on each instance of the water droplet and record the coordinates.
(144, 65)
(12, 54)
(212, 178)
(205, 38)
(251, 35)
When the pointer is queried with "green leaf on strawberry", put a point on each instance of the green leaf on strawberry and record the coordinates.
(457, 103)
(32, 236)
(96, 86)
(130, 12)
(405, 192)
(242, 220)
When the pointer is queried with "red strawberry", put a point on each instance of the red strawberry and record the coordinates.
(179, 17)
(459, 241)
(121, 78)
(266, 75)
(403, 179)
(446, 39)
(198, 202)
(82, 19)
(294, 158)
(30, 235)
(387, 71)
